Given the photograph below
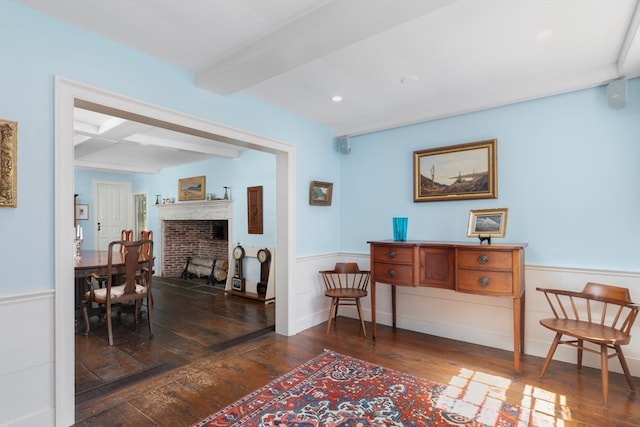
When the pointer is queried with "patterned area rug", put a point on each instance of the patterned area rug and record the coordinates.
(337, 390)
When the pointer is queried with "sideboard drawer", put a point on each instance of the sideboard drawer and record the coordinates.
(394, 254)
(485, 282)
(491, 259)
(393, 274)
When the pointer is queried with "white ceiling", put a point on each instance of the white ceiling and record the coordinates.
(455, 56)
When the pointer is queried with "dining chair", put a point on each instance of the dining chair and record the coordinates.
(126, 235)
(345, 285)
(601, 315)
(134, 285)
(146, 235)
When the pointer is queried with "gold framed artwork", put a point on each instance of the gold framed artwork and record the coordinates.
(457, 172)
(320, 193)
(8, 164)
(487, 223)
(191, 188)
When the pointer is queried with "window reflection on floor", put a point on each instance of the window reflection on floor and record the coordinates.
(479, 396)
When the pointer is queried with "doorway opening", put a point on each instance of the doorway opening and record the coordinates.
(69, 94)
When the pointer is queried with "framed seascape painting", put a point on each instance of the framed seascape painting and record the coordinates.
(457, 172)
(191, 188)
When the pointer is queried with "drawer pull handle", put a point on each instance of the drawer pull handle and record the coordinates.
(483, 259)
(391, 254)
(391, 273)
(483, 282)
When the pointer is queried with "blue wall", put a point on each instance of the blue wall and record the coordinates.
(568, 171)
(568, 166)
(251, 168)
(38, 49)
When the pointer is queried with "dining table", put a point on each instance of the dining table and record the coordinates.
(92, 261)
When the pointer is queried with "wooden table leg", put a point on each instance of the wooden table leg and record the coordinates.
(518, 332)
(373, 309)
(393, 305)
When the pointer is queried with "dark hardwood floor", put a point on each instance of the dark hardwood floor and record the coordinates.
(191, 320)
(203, 374)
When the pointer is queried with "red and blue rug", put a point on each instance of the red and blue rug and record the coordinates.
(337, 390)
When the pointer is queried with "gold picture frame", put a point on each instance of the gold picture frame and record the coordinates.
(191, 188)
(487, 223)
(457, 172)
(320, 193)
(8, 164)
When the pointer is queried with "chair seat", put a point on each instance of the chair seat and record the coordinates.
(116, 292)
(600, 315)
(587, 331)
(346, 293)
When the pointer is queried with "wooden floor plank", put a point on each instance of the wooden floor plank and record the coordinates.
(206, 384)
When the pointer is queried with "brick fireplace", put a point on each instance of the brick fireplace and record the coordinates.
(191, 228)
(188, 237)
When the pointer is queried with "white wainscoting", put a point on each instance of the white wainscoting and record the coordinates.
(26, 360)
(27, 328)
(472, 318)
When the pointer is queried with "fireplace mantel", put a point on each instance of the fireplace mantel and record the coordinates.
(210, 209)
(200, 210)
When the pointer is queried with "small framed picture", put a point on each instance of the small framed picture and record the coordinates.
(320, 193)
(82, 211)
(487, 223)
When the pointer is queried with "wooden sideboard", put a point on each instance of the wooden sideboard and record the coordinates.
(494, 270)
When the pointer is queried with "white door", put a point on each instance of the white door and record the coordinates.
(113, 211)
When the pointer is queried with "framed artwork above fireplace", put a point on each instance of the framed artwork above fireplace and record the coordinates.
(191, 188)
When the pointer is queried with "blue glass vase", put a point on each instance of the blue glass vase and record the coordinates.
(400, 228)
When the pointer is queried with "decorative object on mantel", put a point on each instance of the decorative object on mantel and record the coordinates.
(158, 199)
(457, 172)
(8, 164)
(320, 193)
(400, 228)
(487, 223)
(254, 209)
(191, 188)
(226, 193)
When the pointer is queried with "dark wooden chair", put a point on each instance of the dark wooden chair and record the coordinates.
(345, 285)
(126, 235)
(601, 315)
(145, 235)
(133, 285)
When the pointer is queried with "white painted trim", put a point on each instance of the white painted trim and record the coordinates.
(484, 320)
(66, 92)
(27, 365)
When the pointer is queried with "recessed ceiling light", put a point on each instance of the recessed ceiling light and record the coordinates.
(336, 98)
(544, 34)
(409, 80)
